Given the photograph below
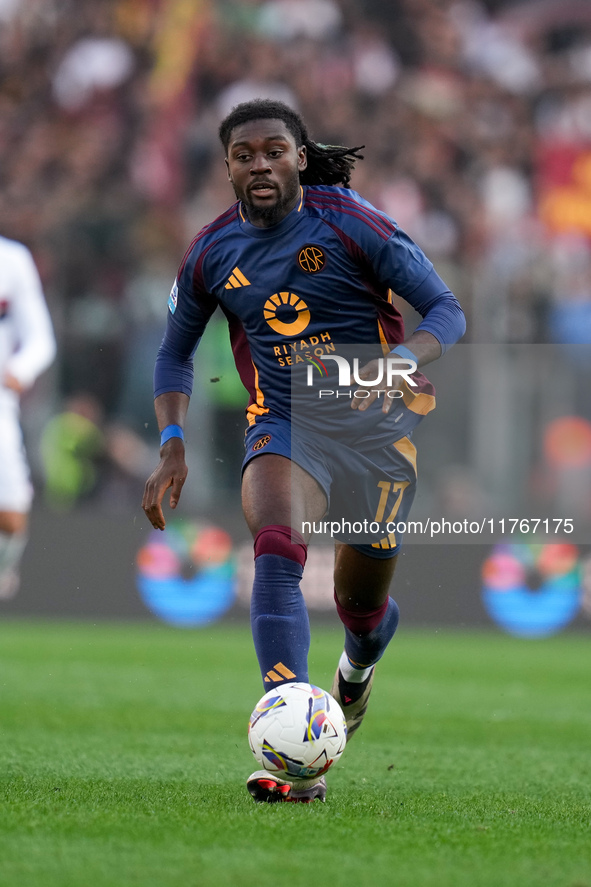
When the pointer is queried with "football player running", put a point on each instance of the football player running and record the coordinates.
(301, 266)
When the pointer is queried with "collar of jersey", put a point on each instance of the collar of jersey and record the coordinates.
(281, 227)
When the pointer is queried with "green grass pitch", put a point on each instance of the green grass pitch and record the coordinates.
(123, 756)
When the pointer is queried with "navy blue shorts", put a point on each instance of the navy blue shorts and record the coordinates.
(369, 494)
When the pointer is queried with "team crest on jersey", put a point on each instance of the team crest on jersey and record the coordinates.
(4, 306)
(173, 297)
(311, 258)
(262, 442)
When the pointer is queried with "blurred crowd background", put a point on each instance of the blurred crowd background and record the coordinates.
(476, 117)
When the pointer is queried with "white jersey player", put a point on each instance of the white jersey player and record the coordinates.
(27, 347)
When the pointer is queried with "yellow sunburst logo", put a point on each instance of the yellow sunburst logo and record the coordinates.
(293, 311)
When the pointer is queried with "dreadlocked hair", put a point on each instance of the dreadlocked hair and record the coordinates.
(327, 164)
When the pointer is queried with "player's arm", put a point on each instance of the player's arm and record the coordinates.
(422, 347)
(34, 331)
(173, 384)
(442, 324)
(171, 472)
(443, 321)
(442, 315)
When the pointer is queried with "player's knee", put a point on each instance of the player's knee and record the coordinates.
(282, 541)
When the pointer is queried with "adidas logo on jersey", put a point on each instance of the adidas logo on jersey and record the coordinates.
(279, 672)
(237, 279)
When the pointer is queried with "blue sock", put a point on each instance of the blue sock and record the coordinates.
(367, 649)
(279, 620)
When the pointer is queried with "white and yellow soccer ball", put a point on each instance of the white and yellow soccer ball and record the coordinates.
(297, 731)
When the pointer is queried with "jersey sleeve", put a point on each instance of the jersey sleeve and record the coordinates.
(403, 266)
(441, 312)
(188, 314)
(35, 340)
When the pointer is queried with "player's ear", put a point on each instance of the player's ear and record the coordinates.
(228, 169)
(302, 158)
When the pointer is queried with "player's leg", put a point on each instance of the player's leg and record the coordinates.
(13, 539)
(278, 497)
(15, 502)
(370, 618)
(380, 486)
(369, 615)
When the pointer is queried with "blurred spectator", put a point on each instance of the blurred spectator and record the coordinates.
(569, 316)
(375, 63)
(86, 460)
(263, 78)
(315, 19)
(88, 67)
(72, 445)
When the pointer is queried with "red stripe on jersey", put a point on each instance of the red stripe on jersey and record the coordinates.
(242, 355)
(197, 270)
(356, 215)
(391, 322)
(378, 291)
(350, 207)
(339, 198)
(218, 223)
(360, 257)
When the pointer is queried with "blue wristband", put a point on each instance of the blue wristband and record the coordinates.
(171, 431)
(406, 353)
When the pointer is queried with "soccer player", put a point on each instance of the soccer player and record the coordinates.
(303, 267)
(27, 347)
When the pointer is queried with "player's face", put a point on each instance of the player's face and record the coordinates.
(264, 165)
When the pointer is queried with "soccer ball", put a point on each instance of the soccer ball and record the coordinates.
(297, 731)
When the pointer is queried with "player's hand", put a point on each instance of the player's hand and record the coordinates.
(386, 394)
(171, 473)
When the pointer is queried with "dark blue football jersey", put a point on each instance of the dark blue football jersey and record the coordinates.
(321, 280)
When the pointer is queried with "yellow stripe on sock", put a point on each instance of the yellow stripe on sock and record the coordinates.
(272, 676)
(284, 670)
